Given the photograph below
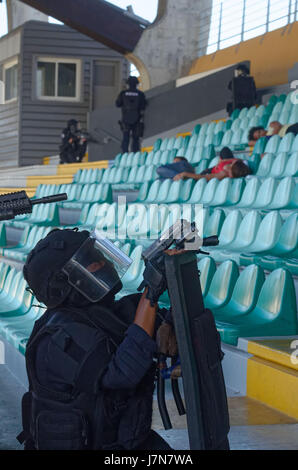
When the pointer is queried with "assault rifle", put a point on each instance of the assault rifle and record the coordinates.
(12, 204)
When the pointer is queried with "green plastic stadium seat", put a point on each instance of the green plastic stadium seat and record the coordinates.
(209, 192)
(274, 315)
(20, 299)
(246, 233)
(283, 194)
(221, 192)
(272, 145)
(143, 191)
(235, 114)
(197, 192)
(265, 165)
(260, 145)
(287, 240)
(222, 285)
(229, 229)
(226, 140)
(265, 193)
(207, 268)
(286, 142)
(133, 222)
(249, 193)
(278, 165)
(154, 191)
(235, 191)
(245, 294)
(150, 173)
(236, 124)
(214, 223)
(291, 168)
(133, 277)
(267, 234)
(243, 113)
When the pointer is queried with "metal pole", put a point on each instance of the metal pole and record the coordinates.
(268, 16)
(243, 20)
(219, 27)
(289, 11)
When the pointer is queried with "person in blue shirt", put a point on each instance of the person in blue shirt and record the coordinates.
(179, 165)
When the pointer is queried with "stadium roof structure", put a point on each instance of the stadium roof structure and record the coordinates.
(114, 27)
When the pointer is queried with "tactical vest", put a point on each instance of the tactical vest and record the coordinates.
(86, 417)
(131, 106)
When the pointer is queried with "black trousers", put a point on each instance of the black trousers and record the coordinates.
(131, 130)
(154, 442)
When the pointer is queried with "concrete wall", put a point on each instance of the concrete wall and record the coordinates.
(168, 108)
(18, 13)
(271, 56)
(168, 47)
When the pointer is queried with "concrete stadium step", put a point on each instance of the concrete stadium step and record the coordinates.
(29, 191)
(267, 371)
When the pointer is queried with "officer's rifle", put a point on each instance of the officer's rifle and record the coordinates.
(17, 203)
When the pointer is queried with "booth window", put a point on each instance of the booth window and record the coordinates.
(58, 79)
(10, 76)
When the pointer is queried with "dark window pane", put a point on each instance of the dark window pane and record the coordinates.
(46, 78)
(11, 82)
(67, 80)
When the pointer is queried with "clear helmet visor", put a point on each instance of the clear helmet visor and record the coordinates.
(96, 267)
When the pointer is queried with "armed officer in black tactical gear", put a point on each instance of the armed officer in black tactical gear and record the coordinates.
(90, 359)
(133, 103)
(243, 90)
(73, 147)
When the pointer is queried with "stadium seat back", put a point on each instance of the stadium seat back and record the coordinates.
(222, 285)
(207, 269)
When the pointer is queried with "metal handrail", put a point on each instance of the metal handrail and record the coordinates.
(243, 14)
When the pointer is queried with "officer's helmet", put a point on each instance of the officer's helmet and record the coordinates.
(73, 125)
(67, 260)
(132, 81)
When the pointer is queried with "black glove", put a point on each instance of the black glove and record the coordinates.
(155, 279)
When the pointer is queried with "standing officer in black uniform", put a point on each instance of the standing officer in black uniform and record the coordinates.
(133, 103)
(243, 88)
(73, 147)
(90, 359)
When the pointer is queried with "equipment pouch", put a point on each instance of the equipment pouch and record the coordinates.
(61, 431)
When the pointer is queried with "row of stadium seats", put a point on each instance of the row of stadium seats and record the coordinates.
(243, 305)
(251, 192)
(269, 234)
(278, 165)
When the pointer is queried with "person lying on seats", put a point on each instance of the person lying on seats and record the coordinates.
(170, 170)
(275, 128)
(235, 168)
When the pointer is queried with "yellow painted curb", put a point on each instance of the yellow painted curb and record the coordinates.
(34, 181)
(147, 149)
(72, 168)
(273, 385)
(29, 191)
(183, 134)
(279, 351)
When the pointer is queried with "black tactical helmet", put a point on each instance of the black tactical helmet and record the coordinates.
(132, 81)
(72, 122)
(42, 269)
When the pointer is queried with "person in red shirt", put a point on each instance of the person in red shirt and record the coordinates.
(227, 167)
(233, 168)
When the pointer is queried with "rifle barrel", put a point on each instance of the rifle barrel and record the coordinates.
(47, 199)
